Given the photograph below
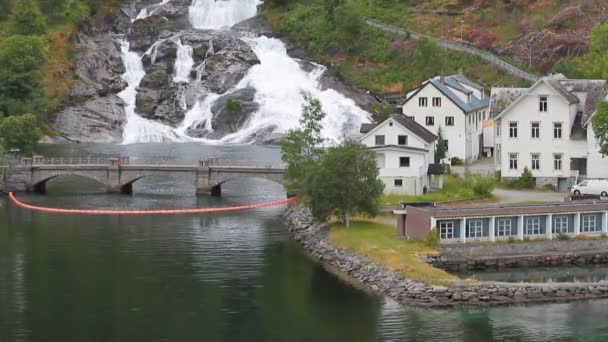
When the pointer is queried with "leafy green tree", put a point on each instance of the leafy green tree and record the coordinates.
(20, 131)
(21, 58)
(26, 20)
(428, 58)
(300, 148)
(568, 68)
(599, 121)
(440, 148)
(54, 8)
(330, 9)
(344, 183)
(349, 24)
(594, 63)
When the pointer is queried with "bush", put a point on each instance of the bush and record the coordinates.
(432, 238)
(562, 237)
(21, 132)
(481, 185)
(549, 187)
(455, 161)
(581, 237)
(526, 181)
(233, 105)
(512, 239)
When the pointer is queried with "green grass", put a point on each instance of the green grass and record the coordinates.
(453, 189)
(381, 244)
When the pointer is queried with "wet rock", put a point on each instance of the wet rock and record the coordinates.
(232, 110)
(145, 32)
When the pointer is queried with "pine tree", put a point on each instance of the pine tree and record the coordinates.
(26, 19)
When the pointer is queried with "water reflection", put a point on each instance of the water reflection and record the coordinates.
(587, 273)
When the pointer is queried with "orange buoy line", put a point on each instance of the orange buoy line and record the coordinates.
(146, 212)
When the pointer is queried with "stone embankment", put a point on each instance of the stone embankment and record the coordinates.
(312, 237)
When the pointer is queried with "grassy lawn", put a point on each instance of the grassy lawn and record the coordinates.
(453, 189)
(380, 243)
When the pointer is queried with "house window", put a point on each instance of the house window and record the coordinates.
(533, 226)
(513, 161)
(422, 102)
(535, 130)
(475, 229)
(497, 128)
(561, 224)
(449, 121)
(557, 161)
(404, 161)
(446, 145)
(398, 183)
(543, 104)
(512, 129)
(379, 140)
(402, 140)
(504, 227)
(446, 230)
(498, 153)
(436, 101)
(557, 130)
(589, 223)
(430, 121)
(535, 161)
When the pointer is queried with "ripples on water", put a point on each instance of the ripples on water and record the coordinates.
(214, 277)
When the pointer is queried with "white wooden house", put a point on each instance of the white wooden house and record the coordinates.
(457, 105)
(405, 155)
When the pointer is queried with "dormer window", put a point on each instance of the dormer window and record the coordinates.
(543, 104)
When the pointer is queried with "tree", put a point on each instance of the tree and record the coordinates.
(26, 20)
(54, 8)
(344, 183)
(568, 68)
(300, 148)
(21, 58)
(20, 131)
(330, 8)
(428, 58)
(599, 122)
(440, 148)
(594, 63)
(349, 24)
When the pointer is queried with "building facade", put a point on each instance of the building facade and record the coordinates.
(501, 222)
(404, 152)
(545, 128)
(458, 106)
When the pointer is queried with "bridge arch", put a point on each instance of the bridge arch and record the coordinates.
(39, 181)
(217, 179)
(127, 182)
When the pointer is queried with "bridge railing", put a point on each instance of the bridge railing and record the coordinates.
(242, 163)
(39, 160)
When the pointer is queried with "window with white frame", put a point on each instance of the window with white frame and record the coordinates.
(404, 161)
(422, 102)
(402, 140)
(449, 121)
(535, 128)
(503, 227)
(557, 130)
(557, 161)
(533, 226)
(535, 161)
(430, 121)
(560, 225)
(475, 228)
(379, 140)
(589, 223)
(446, 230)
(398, 183)
(436, 101)
(512, 129)
(498, 153)
(497, 128)
(513, 161)
(543, 103)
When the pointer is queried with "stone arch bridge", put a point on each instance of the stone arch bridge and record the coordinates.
(118, 175)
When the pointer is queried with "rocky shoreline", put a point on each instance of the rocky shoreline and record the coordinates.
(312, 238)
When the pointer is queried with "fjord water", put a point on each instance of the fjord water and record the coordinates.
(219, 277)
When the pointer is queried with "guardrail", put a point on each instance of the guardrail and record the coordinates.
(488, 57)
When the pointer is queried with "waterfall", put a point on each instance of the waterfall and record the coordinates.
(220, 14)
(148, 11)
(138, 129)
(183, 62)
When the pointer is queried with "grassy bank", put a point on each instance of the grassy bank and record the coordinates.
(380, 243)
(454, 188)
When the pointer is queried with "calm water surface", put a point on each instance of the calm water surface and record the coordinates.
(213, 277)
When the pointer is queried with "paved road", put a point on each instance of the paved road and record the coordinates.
(518, 196)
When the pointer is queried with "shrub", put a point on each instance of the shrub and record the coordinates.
(233, 105)
(455, 161)
(481, 185)
(432, 238)
(549, 187)
(526, 181)
(511, 239)
(527, 239)
(604, 235)
(539, 238)
(562, 237)
(581, 237)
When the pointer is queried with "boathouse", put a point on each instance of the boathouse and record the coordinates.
(497, 222)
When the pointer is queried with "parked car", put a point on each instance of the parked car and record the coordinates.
(591, 187)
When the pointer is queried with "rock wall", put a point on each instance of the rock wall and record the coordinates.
(312, 237)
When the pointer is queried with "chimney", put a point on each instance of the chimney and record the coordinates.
(441, 79)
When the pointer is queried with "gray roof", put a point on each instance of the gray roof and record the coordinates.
(596, 91)
(501, 98)
(406, 122)
(400, 147)
(455, 82)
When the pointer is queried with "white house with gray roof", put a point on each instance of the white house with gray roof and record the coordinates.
(457, 105)
(404, 154)
(546, 128)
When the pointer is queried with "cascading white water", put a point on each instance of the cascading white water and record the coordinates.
(138, 129)
(183, 62)
(148, 11)
(220, 14)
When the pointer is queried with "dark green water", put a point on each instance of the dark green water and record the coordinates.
(218, 277)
